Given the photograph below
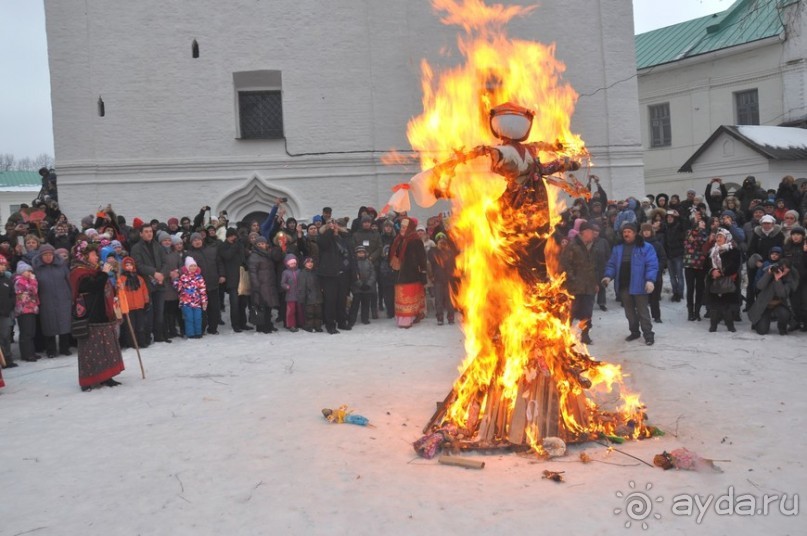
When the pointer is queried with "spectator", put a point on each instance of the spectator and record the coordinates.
(716, 193)
(674, 235)
(150, 262)
(27, 307)
(409, 255)
(362, 287)
(775, 286)
(53, 276)
(654, 298)
(633, 266)
(578, 261)
(289, 285)
(723, 261)
(309, 297)
(193, 297)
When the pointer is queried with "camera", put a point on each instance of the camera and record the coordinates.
(284, 199)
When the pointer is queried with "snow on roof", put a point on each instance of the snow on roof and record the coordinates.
(778, 137)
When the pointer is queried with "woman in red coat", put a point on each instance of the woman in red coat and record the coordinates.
(408, 256)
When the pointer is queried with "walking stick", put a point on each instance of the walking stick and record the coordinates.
(2, 359)
(137, 346)
(124, 308)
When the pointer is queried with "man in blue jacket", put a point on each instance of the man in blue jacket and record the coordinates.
(633, 267)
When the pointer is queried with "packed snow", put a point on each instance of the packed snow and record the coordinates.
(778, 137)
(226, 436)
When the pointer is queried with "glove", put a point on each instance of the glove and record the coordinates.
(605, 281)
(648, 287)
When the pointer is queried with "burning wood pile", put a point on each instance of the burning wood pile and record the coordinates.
(525, 377)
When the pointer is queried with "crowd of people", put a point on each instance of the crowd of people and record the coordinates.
(103, 284)
(726, 252)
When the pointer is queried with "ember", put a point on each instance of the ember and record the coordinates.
(525, 377)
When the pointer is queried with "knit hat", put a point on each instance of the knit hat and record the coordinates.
(290, 259)
(44, 248)
(730, 214)
(62, 252)
(646, 227)
(361, 249)
(196, 236)
(176, 239)
(628, 225)
(420, 228)
(440, 236)
(137, 223)
(115, 244)
(173, 221)
(231, 232)
(767, 218)
(317, 219)
(128, 260)
(798, 229)
(261, 239)
(162, 235)
(190, 261)
(775, 249)
(87, 221)
(725, 233)
(23, 267)
(691, 191)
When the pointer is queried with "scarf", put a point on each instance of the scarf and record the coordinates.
(716, 250)
(401, 241)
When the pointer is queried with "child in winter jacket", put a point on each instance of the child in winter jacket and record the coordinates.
(289, 284)
(26, 288)
(309, 296)
(133, 291)
(362, 287)
(190, 285)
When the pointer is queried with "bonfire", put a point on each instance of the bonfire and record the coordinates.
(495, 138)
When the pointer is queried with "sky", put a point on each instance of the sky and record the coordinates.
(25, 114)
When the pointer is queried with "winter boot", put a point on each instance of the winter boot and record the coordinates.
(439, 320)
(691, 313)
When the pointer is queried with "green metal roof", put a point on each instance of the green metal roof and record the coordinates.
(744, 22)
(20, 179)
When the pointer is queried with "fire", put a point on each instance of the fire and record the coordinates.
(522, 357)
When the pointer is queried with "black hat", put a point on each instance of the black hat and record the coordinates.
(231, 231)
(585, 226)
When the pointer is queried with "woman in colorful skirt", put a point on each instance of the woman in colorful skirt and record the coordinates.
(408, 255)
(99, 355)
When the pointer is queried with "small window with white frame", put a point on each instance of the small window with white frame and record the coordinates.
(259, 105)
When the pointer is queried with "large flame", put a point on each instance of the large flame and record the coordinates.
(514, 331)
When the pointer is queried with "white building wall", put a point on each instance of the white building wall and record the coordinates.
(350, 79)
(701, 96)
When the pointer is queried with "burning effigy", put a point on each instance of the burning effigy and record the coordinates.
(495, 139)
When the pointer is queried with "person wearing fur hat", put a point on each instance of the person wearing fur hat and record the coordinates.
(289, 285)
(26, 309)
(633, 266)
(363, 287)
(192, 290)
(53, 277)
(133, 291)
(99, 355)
(309, 296)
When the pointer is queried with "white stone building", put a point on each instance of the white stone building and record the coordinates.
(147, 97)
(744, 66)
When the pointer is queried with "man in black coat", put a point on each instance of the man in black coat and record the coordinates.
(336, 266)
(212, 268)
(149, 258)
(233, 256)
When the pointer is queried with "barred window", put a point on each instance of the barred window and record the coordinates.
(746, 106)
(660, 127)
(259, 104)
(261, 114)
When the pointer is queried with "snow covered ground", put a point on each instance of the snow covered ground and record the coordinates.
(225, 436)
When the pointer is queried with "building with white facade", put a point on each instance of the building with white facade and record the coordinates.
(744, 66)
(163, 107)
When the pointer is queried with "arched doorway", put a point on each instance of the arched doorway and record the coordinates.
(255, 198)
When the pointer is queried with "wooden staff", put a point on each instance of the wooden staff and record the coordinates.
(124, 307)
